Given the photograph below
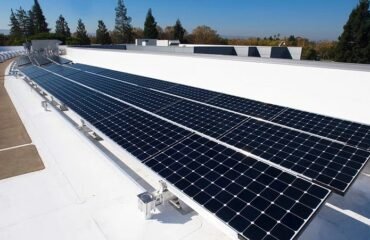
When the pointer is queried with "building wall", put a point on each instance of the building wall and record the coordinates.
(329, 91)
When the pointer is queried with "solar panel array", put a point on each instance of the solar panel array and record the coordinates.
(331, 164)
(354, 134)
(252, 197)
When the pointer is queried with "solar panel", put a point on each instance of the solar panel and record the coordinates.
(64, 71)
(256, 200)
(59, 59)
(351, 133)
(331, 164)
(141, 97)
(41, 60)
(23, 60)
(111, 87)
(89, 68)
(33, 71)
(140, 133)
(193, 93)
(90, 105)
(139, 80)
(246, 106)
(207, 120)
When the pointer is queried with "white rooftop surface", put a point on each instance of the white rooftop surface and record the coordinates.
(83, 194)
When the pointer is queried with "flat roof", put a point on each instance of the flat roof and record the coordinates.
(84, 193)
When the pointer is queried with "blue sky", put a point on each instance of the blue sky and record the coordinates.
(315, 19)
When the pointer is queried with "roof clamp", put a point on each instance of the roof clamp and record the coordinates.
(44, 104)
(63, 107)
(84, 127)
(147, 202)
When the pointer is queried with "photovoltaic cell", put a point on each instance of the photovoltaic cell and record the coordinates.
(140, 133)
(111, 87)
(193, 93)
(139, 96)
(246, 106)
(33, 71)
(64, 71)
(207, 120)
(351, 133)
(139, 80)
(89, 68)
(256, 200)
(331, 164)
(59, 59)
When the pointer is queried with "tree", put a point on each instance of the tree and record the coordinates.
(168, 33)
(179, 31)
(81, 33)
(137, 33)
(30, 23)
(39, 19)
(102, 34)
(150, 26)
(61, 27)
(354, 43)
(123, 28)
(205, 35)
(22, 18)
(15, 29)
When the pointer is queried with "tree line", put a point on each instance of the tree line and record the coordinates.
(352, 46)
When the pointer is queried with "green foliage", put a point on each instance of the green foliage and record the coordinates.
(354, 43)
(309, 54)
(81, 34)
(61, 27)
(205, 35)
(4, 40)
(179, 31)
(102, 34)
(150, 26)
(46, 35)
(39, 20)
(122, 29)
